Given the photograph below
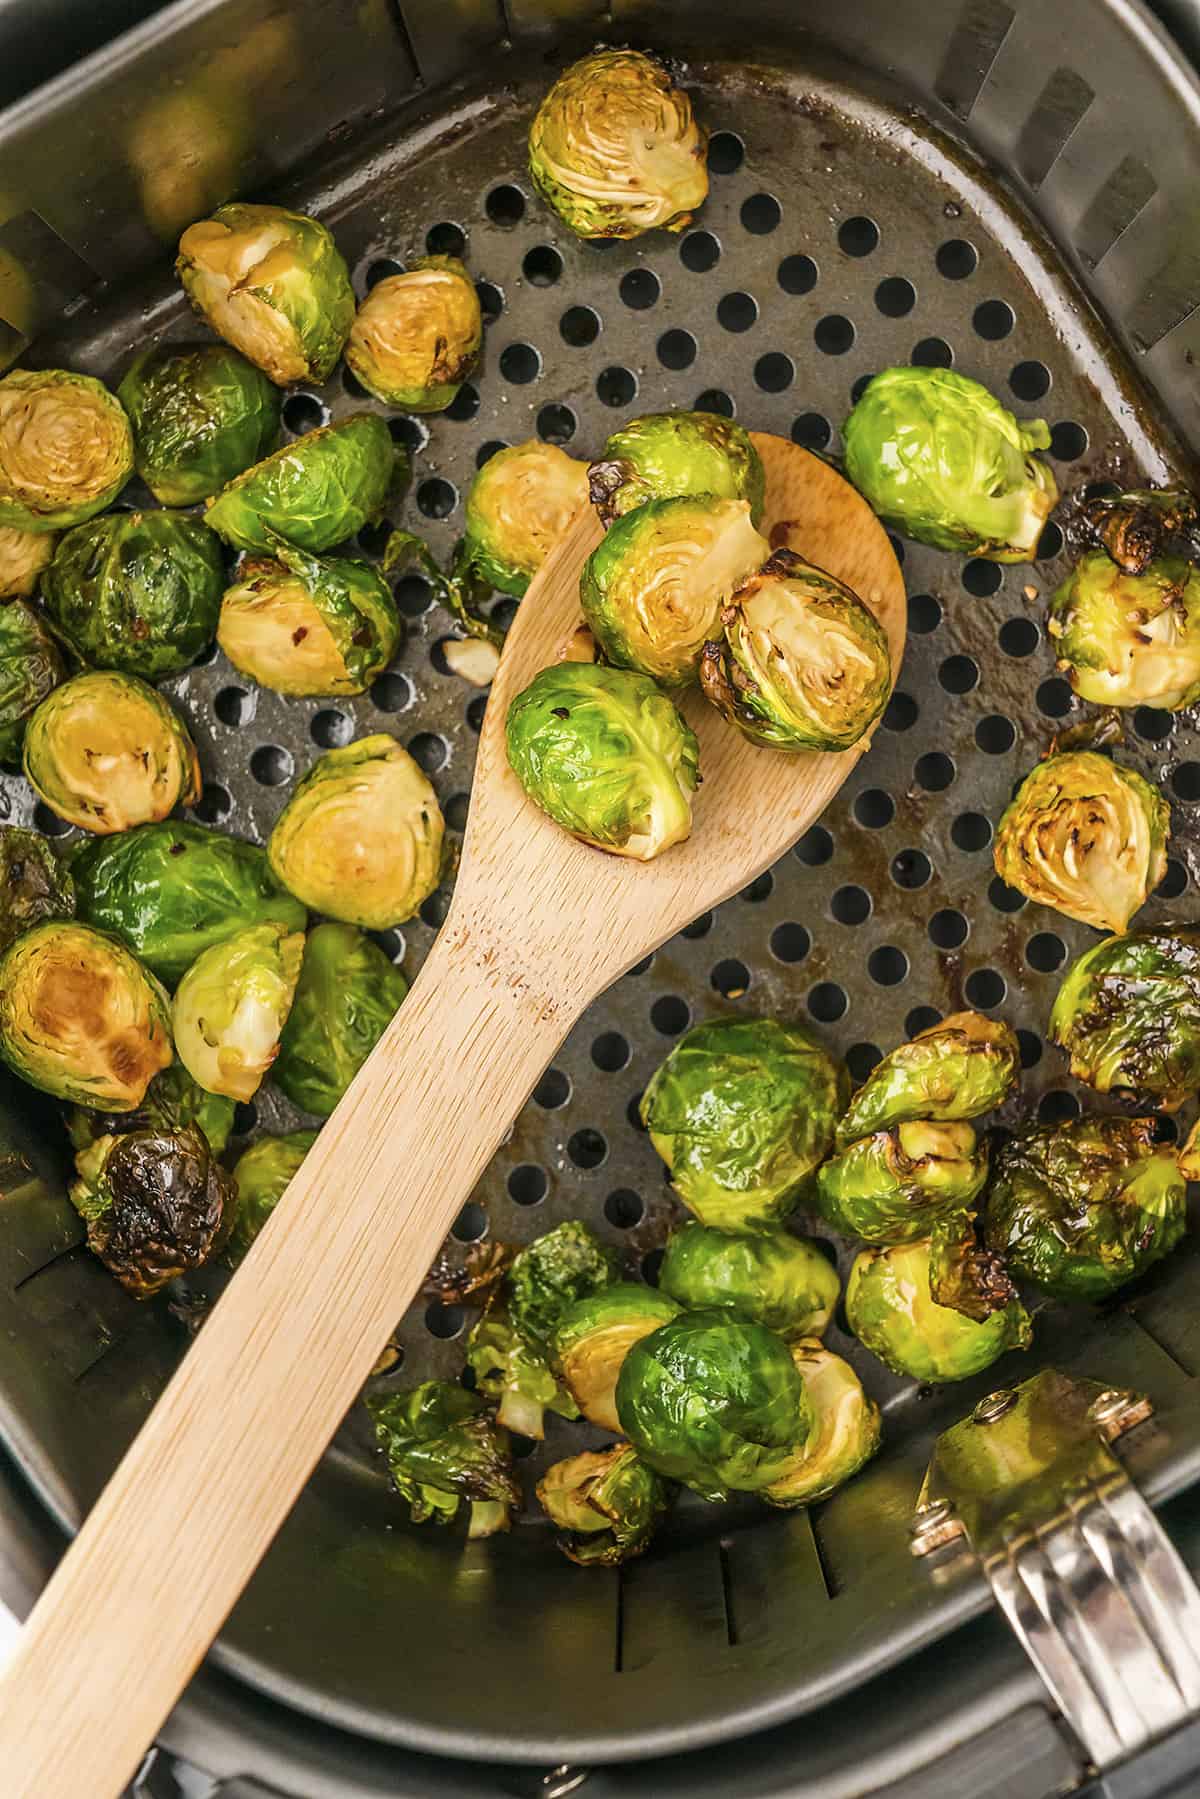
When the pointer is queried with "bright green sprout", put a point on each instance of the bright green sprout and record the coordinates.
(156, 1205)
(890, 1187)
(66, 449)
(567, 1264)
(106, 753)
(772, 1278)
(892, 1312)
(262, 1175)
(231, 1006)
(346, 996)
(846, 1434)
(31, 666)
(443, 1447)
(965, 1065)
(316, 492)
(606, 1506)
(417, 336)
(1128, 1015)
(1129, 640)
(200, 416)
(514, 1372)
(665, 454)
(303, 624)
(594, 1336)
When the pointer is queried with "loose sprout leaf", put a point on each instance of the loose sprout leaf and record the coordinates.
(442, 1446)
(772, 1277)
(606, 1506)
(516, 1374)
(963, 1274)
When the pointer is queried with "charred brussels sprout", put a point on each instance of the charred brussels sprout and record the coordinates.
(963, 1275)
(172, 890)
(66, 449)
(891, 1186)
(345, 998)
(262, 1175)
(315, 492)
(172, 1102)
(957, 1069)
(136, 591)
(1129, 640)
(231, 1006)
(567, 1264)
(200, 416)
(615, 149)
(1134, 527)
(654, 590)
(106, 753)
(940, 459)
(24, 557)
(81, 1018)
(273, 284)
(845, 1435)
(595, 1335)
(361, 837)
(1085, 1205)
(714, 1401)
(742, 1111)
(802, 664)
(666, 454)
(607, 756)
(515, 1373)
(442, 1447)
(1128, 1015)
(34, 884)
(774, 1278)
(31, 666)
(893, 1314)
(303, 625)
(156, 1205)
(417, 336)
(520, 503)
(606, 1506)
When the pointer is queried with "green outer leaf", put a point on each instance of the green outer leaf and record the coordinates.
(1128, 1015)
(891, 1312)
(959, 1068)
(516, 1374)
(34, 884)
(55, 509)
(550, 1274)
(31, 666)
(200, 416)
(892, 1187)
(357, 606)
(1129, 640)
(663, 454)
(345, 998)
(773, 1278)
(315, 492)
(261, 1174)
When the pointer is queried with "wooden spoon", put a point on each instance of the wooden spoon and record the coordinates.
(539, 925)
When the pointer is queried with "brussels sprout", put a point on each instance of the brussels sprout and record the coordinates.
(262, 1175)
(66, 449)
(24, 556)
(615, 149)
(303, 625)
(137, 591)
(891, 1186)
(668, 453)
(1083, 1206)
(315, 492)
(775, 1279)
(81, 1018)
(273, 284)
(345, 998)
(606, 1506)
(156, 1205)
(714, 1401)
(607, 756)
(846, 1434)
(515, 1373)
(34, 884)
(1134, 527)
(31, 666)
(172, 890)
(566, 1264)
(1188, 1159)
(654, 590)
(361, 837)
(957, 1069)
(417, 336)
(520, 503)
(1086, 836)
(106, 753)
(200, 416)
(940, 459)
(594, 1336)
(442, 1447)
(1128, 1015)
(1129, 640)
(962, 1274)
(892, 1313)
(803, 664)
(172, 1102)
(742, 1111)
(231, 1005)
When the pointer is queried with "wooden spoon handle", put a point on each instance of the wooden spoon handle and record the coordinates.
(180, 1528)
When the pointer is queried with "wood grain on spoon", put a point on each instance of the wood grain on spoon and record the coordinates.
(539, 926)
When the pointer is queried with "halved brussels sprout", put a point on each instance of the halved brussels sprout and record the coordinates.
(520, 503)
(959, 1068)
(774, 1279)
(34, 884)
(1128, 1015)
(1083, 1206)
(301, 624)
(106, 752)
(615, 149)
(567, 1264)
(665, 454)
(81, 1018)
(742, 1112)
(654, 590)
(803, 664)
(172, 1102)
(442, 1447)
(262, 1175)
(345, 998)
(1129, 640)
(513, 1371)
(595, 1335)
(66, 449)
(315, 492)
(892, 1312)
(417, 336)
(273, 284)
(231, 1006)
(156, 1205)
(963, 1275)
(31, 666)
(846, 1434)
(24, 556)
(172, 890)
(200, 416)
(136, 591)
(607, 756)
(714, 1401)
(892, 1186)
(606, 1505)
(361, 837)
(1133, 527)
(943, 461)
(1086, 836)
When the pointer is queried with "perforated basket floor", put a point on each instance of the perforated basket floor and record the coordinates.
(841, 235)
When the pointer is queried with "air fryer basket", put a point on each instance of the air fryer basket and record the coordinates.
(846, 229)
